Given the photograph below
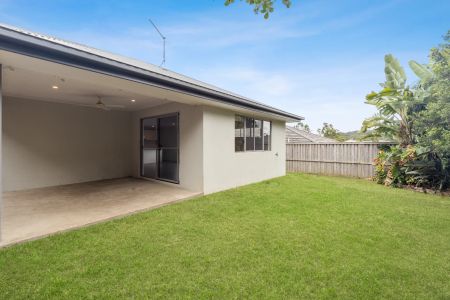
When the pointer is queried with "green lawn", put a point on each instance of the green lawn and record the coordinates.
(300, 236)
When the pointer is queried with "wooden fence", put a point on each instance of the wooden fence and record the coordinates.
(343, 159)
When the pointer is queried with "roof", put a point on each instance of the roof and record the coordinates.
(299, 136)
(49, 48)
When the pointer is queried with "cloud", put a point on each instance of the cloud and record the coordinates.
(8, 17)
(328, 93)
(219, 33)
(353, 19)
(255, 81)
(304, 21)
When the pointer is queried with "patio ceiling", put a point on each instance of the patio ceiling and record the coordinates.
(31, 78)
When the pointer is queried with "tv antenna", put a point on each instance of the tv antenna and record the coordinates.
(164, 43)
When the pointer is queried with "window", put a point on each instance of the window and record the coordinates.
(249, 134)
(252, 134)
(267, 133)
(258, 135)
(239, 134)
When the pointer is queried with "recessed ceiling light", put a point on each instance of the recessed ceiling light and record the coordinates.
(133, 100)
(55, 87)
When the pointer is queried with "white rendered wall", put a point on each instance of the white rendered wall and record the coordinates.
(191, 139)
(223, 167)
(48, 144)
(1, 156)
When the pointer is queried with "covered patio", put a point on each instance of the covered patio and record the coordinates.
(74, 143)
(34, 213)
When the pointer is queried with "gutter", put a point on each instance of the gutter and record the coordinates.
(33, 46)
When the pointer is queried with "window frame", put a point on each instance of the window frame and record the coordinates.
(263, 138)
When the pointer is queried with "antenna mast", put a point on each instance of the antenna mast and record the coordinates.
(164, 43)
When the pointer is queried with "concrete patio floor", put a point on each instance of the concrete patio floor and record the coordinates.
(39, 212)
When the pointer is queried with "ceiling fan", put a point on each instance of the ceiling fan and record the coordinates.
(101, 105)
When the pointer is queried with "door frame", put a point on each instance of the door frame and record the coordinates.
(141, 147)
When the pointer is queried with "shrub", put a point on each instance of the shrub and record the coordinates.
(380, 167)
(429, 170)
(398, 166)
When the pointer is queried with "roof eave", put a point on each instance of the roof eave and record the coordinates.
(28, 45)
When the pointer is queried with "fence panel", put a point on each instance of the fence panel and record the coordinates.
(342, 159)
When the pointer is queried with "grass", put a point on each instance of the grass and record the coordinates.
(299, 236)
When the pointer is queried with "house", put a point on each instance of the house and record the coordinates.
(300, 136)
(103, 132)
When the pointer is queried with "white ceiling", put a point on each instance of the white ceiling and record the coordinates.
(29, 78)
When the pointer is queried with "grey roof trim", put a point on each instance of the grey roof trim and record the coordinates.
(47, 48)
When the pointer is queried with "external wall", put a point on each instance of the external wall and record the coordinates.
(224, 168)
(191, 139)
(48, 144)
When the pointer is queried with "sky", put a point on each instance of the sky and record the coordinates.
(317, 59)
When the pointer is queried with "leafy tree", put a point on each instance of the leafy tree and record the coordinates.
(265, 7)
(303, 126)
(433, 124)
(329, 131)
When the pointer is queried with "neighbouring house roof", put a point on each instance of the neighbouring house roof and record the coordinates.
(299, 136)
(73, 54)
(387, 142)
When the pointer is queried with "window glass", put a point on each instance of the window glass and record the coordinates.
(168, 131)
(252, 135)
(258, 135)
(150, 133)
(239, 134)
(249, 134)
(168, 164)
(267, 132)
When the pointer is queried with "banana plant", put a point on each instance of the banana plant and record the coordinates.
(396, 104)
(395, 75)
(386, 127)
(422, 71)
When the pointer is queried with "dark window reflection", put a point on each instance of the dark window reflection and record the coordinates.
(150, 133)
(239, 134)
(160, 148)
(250, 134)
(258, 135)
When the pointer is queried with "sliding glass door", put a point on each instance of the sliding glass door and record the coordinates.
(168, 148)
(160, 148)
